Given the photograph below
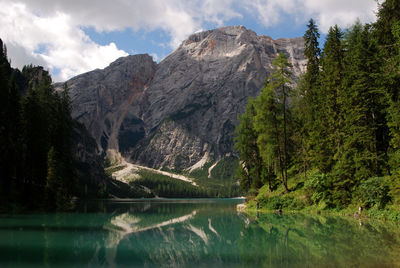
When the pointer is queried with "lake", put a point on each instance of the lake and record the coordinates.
(191, 233)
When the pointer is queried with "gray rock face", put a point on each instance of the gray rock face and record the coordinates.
(174, 113)
(100, 99)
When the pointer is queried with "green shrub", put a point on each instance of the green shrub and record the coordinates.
(274, 202)
(374, 192)
(394, 215)
(318, 187)
(252, 192)
(281, 202)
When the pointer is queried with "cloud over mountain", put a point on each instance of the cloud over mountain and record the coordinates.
(51, 32)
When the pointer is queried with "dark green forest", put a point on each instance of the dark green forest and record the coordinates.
(332, 138)
(164, 186)
(35, 139)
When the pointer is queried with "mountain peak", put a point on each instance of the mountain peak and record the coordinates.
(222, 42)
(131, 59)
(182, 111)
(232, 30)
(218, 33)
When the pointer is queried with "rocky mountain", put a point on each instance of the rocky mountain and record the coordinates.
(181, 113)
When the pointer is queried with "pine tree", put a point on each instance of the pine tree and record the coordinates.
(9, 128)
(251, 171)
(386, 32)
(394, 109)
(272, 121)
(56, 192)
(35, 138)
(35, 148)
(388, 16)
(305, 102)
(361, 154)
(5, 71)
(328, 120)
(312, 53)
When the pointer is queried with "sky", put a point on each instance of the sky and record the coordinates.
(70, 37)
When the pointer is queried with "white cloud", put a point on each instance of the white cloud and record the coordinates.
(58, 23)
(155, 57)
(178, 18)
(341, 12)
(52, 41)
(269, 12)
(326, 12)
(49, 32)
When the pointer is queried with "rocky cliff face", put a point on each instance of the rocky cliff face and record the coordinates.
(101, 98)
(183, 110)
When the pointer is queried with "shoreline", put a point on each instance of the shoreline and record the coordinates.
(349, 213)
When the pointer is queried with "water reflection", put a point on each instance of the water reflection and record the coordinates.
(178, 235)
(191, 234)
(125, 224)
(313, 241)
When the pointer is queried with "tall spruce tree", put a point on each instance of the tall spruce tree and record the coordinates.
(5, 71)
(9, 129)
(273, 119)
(306, 102)
(35, 132)
(386, 31)
(328, 120)
(394, 108)
(58, 190)
(35, 148)
(251, 166)
(312, 52)
(362, 104)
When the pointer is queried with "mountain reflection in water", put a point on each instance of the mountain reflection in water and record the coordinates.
(191, 233)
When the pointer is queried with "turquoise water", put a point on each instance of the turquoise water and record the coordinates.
(191, 233)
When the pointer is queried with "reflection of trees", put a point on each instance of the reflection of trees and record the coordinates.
(305, 241)
(193, 235)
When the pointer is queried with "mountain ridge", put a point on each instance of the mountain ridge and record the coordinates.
(183, 110)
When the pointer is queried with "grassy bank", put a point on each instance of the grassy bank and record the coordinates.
(305, 197)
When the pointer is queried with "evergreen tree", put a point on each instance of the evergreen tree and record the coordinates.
(9, 127)
(58, 193)
(35, 138)
(328, 119)
(5, 71)
(250, 170)
(386, 31)
(305, 103)
(347, 107)
(388, 16)
(361, 153)
(272, 121)
(394, 109)
(63, 134)
(35, 145)
(312, 53)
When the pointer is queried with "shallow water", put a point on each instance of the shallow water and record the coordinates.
(191, 233)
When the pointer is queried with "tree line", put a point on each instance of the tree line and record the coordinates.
(339, 126)
(164, 186)
(35, 138)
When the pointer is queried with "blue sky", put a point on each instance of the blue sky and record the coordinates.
(75, 36)
(156, 42)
